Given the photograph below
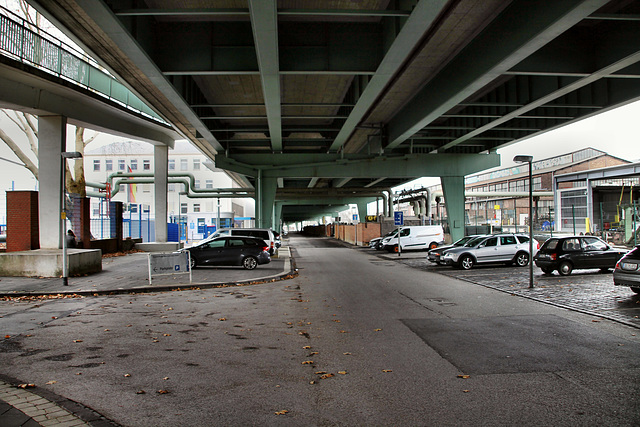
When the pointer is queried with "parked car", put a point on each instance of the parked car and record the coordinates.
(627, 271)
(376, 243)
(566, 254)
(508, 248)
(414, 237)
(249, 252)
(435, 255)
(265, 234)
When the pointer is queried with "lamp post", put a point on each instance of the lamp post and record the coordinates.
(529, 159)
(63, 216)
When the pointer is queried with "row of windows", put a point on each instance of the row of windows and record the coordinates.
(146, 164)
(519, 185)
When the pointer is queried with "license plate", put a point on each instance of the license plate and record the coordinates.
(629, 266)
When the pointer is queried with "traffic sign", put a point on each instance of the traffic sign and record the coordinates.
(398, 218)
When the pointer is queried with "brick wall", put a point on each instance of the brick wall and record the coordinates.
(23, 232)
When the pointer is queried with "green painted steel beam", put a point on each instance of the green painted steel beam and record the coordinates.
(264, 22)
(213, 12)
(487, 57)
(358, 166)
(420, 20)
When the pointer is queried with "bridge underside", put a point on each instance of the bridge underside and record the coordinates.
(364, 95)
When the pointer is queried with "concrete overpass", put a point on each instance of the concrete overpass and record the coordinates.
(295, 95)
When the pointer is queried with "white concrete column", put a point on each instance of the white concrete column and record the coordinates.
(52, 139)
(160, 169)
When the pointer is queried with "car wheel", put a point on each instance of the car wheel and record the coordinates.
(193, 262)
(395, 248)
(250, 263)
(433, 245)
(636, 290)
(522, 259)
(547, 271)
(565, 268)
(466, 262)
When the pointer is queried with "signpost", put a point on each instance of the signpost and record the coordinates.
(398, 219)
(164, 264)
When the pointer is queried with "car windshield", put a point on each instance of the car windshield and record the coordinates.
(473, 242)
(464, 240)
(550, 244)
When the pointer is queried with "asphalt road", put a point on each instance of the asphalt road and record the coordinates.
(353, 340)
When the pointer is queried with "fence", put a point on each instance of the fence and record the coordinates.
(28, 44)
(137, 222)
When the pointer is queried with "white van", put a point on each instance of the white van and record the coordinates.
(414, 237)
(265, 234)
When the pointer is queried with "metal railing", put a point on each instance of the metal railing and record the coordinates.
(22, 41)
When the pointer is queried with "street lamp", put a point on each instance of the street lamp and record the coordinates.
(63, 216)
(529, 159)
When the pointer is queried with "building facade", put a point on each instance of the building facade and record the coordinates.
(197, 216)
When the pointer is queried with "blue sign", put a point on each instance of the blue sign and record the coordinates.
(355, 217)
(398, 218)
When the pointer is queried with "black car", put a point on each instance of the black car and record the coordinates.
(246, 251)
(576, 252)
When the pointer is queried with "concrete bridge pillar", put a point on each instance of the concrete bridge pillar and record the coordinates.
(453, 189)
(52, 140)
(160, 168)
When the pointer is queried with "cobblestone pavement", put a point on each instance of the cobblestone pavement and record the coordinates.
(587, 291)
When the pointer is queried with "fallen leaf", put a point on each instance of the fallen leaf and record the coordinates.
(283, 412)
(466, 391)
(342, 372)
(106, 330)
(141, 392)
(163, 392)
(377, 330)
(312, 382)
(165, 378)
(77, 340)
(7, 336)
(127, 375)
(306, 347)
(308, 362)
(51, 382)
(313, 353)
(347, 354)
(128, 326)
(387, 370)
(222, 319)
(26, 385)
(166, 335)
(321, 372)
(464, 376)
(344, 332)
(325, 376)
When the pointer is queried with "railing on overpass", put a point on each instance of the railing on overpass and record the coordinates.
(22, 41)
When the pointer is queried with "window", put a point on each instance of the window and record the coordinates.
(146, 188)
(171, 188)
(196, 207)
(217, 244)
(405, 232)
(209, 183)
(197, 183)
(593, 244)
(121, 187)
(108, 165)
(121, 164)
(146, 165)
(508, 240)
(491, 242)
(184, 164)
(196, 164)
(571, 245)
(134, 165)
(133, 208)
(183, 208)
(96, 165)
(172, 164)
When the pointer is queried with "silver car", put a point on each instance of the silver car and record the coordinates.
(505, 248)
(627, 272)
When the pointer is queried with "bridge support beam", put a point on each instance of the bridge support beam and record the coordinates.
(160, 187)
(265, 200)
(52, 139)
(453, 190)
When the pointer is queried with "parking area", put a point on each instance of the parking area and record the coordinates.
(588, 291)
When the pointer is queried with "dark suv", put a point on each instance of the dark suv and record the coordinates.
(566, 254)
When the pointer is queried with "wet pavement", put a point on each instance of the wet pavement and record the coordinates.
(586, 291)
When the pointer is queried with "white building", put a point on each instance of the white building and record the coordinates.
(186, 167)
